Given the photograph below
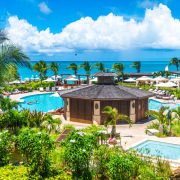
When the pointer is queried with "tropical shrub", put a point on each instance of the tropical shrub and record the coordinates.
(5, 147)
(36, 147)
(77, 153)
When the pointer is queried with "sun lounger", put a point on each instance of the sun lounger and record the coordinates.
(47, 89)
(53, 88)
(41, 89)
(152, 132)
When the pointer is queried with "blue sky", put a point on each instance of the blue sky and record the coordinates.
(94, 30)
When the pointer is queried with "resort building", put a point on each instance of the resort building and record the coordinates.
(86, 103)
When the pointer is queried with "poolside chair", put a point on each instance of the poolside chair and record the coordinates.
(41, 89)
(47, 89)
(53, 89)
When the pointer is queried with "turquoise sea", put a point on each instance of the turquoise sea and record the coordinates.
(146, 66)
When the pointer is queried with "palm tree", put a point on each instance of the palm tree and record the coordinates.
(87, 67)
(12, 73)
(55, 68)
(161, 116)
(100, 67)
(10, 54)
(42, 68)
(175, 61)
(113, 117)
(7, 104)
(74, 67)
(119, 67)
(50, 123)
(137, 66)
(177, 112)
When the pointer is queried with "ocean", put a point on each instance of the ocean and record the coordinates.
(146, 66)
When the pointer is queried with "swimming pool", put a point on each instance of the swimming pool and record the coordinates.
(156, 105)
(160, 149)
(42, 102)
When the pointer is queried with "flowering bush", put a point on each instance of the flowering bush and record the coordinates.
(5, 147)
(36, 147)
(77, 154)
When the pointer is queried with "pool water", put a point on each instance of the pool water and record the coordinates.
(160, 149)
(42, 102)
(156, 105)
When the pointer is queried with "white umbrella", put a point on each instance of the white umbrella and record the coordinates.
(144, 78)
(94, 79)
(26, 79)
(49, 80)
(15, 82)
(71, 79)
(57, 77)
(130, 80)
(168, 84)
(175, 79)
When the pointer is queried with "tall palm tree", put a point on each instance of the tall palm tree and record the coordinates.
(119, 68)
(161, 116)
(41, 67)
(100, 67)
(87, 67)
(137, 66)
(10, 54)
(112, 117)
(73, 67)
(55, 68)
(175, 61)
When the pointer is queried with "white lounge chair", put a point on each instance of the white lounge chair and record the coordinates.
(47, 89)
(53, 88)
(152, 132)
(41, 89)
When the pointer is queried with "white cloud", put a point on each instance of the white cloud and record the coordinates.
(147, 3)
(43, 7)
(158, 30)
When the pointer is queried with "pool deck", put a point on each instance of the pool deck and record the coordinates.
(16, 97)
(130, 136)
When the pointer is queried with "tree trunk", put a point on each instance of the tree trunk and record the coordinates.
(113, 131)
(161, 128)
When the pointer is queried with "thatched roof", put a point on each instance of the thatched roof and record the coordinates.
(105, 92)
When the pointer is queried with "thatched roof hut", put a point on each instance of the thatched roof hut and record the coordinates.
(85, 104)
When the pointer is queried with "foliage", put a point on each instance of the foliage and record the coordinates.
(11, 73)
(77, 153)
(175, 61)
(36, 147)
(119, 67)
(137, 66)
(161, 116)
(112, 117)
(55, 68)
(41, 67)
(116, 164)
(50, 123)
(73, 67)
(87, 67)
(100, 67)
(10, 55)
(7, 104)
(5, 147)
(13, 172)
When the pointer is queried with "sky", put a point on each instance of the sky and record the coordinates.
(100, 30)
